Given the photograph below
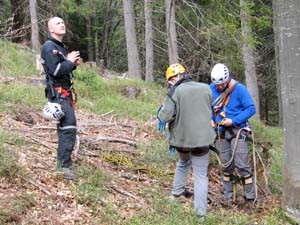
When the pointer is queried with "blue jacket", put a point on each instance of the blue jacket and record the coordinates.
(240, 106)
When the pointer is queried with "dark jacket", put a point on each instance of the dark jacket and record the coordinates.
(55, 63)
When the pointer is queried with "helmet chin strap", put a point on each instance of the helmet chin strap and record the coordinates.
(176, 78)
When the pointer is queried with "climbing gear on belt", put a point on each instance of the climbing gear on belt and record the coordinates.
(72, 88)
(65, 93)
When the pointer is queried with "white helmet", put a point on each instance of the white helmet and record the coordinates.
(219, 74)
(53, 111)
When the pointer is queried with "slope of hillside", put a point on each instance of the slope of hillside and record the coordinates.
(124, 170)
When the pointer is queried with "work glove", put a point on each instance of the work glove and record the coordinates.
(172, 150)
(161, 124)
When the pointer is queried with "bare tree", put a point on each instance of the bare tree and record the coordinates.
(287, 14)
(89, 38)
(35, 40)
(134, 65)
(276, 47)
(249, 56)
(171, 31)
(149, 41)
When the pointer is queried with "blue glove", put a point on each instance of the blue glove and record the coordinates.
(161, 126)
(172, 150)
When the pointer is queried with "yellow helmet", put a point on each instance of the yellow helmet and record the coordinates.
(174, 70)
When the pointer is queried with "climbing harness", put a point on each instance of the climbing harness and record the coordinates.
(218, 104)
(235, 179)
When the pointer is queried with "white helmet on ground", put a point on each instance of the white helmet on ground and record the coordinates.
(219, 74)
(53, 111)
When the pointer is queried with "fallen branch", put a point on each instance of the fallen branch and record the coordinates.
(87, 153)
(125, 193)
(77, 146)
(47, 145)
(37, 186)
(120, 140)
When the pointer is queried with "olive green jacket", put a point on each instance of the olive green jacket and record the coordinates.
(187, 110)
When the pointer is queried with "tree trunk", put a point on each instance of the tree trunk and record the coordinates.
(18, 20)
(35, 40)
(134, 66)
(149, 41)
(97, 50)
(276, 46)
(287, 14)
(171, 31)
(249, 56)
(89, 38)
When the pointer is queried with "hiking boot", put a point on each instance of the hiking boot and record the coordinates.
(228, 203)
(250, 204)
(209, 201)
(186, 193)
(66, 172)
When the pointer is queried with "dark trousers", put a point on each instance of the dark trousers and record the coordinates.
(66, 131)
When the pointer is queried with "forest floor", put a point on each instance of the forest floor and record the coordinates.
(50, 199)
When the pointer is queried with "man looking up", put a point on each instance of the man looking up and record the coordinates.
(58, 66)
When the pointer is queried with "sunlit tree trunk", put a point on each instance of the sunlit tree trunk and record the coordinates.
(134, 67)
(171, 31)
(249, 56)
(35, 40)
(287, 15)
(148, 41)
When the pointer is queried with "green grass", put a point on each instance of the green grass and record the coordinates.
(16, 61)
(105, 95)
(15, 207)
(13, 95)
(271, 137)
(9, 167)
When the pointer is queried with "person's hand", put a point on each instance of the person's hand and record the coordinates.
(78, 61)
(74, 56)
(213, 124)
(226, 122)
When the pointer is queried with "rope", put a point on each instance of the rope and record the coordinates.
(254, 167)
(226, 164)
(123, 160)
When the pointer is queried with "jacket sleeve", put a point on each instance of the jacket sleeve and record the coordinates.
(248, 107)
(168, 110)
(55, 62)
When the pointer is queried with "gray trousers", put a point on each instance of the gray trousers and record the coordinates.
(199, 165)
(240, 163)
